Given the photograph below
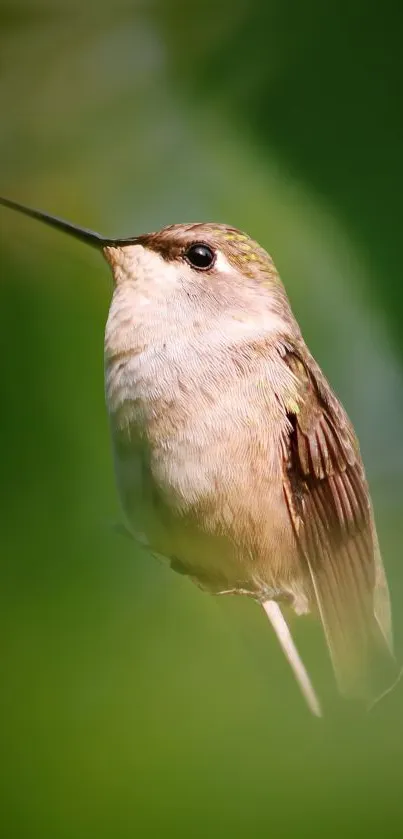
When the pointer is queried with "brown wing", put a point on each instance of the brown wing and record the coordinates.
(331, 512)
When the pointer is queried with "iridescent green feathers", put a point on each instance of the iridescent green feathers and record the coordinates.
(241, 251)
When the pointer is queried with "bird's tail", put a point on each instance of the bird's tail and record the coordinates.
(357, 626)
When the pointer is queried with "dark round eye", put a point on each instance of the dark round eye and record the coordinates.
(200, 256)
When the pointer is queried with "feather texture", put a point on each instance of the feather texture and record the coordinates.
(330, 508)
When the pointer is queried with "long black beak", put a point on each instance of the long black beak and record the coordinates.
(81, 233)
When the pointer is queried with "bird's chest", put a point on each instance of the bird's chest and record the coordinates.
(200, 497)
(190, 427)
(203, 509)
(197, 439)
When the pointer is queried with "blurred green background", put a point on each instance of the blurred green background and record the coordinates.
(133, 705)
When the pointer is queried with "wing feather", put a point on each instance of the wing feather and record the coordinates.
(329, 504)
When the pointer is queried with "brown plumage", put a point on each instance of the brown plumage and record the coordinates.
(276, 503)
(234, 459)
(331, 512)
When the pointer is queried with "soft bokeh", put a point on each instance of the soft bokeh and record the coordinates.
(132, 704)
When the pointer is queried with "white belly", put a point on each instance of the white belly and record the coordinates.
(197, 430)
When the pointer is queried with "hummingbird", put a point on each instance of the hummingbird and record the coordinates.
(234, 459)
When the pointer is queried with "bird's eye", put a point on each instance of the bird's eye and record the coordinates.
(200, 256)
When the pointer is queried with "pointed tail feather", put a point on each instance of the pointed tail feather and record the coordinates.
(282, 631)
(357, 630)
(382, 610)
